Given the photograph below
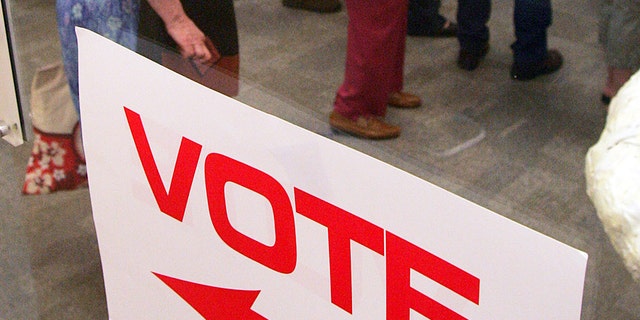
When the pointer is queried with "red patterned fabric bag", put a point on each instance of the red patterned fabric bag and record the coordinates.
(57, 158)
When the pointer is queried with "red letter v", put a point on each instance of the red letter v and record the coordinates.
(174, 202)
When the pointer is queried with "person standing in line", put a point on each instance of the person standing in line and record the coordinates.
(376, 36)
(531, 57)
(620, 37)
(118, 21)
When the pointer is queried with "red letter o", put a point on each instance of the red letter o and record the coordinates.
(219, 170)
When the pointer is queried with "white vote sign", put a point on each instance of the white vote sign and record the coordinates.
(206, 208)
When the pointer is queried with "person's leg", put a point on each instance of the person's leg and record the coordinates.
(376, 36)
(620, 36)
(531, 20)
(117, 22)
(398, 98)
(473, 33)
(531, 57)
(616, 78)
(67, 20)
(424, 18)
(472, 17)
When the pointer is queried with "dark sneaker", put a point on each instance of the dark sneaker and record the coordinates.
(551, 64)
(469, 60)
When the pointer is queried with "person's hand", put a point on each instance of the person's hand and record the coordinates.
(192, 41)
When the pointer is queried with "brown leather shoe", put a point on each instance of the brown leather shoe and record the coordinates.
(320, 6)
(404, 100)
(364, 127)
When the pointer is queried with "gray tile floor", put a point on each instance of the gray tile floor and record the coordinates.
(515, 148)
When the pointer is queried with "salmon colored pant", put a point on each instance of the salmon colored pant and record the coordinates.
(376, 36)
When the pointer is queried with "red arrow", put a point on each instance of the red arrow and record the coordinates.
(215, 303)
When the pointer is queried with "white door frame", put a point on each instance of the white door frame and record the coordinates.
(10, 115)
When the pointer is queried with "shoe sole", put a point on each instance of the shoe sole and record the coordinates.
(337, 127)
(363, 136)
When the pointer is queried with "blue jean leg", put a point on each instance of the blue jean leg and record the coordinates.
(472, 18)
(531, 18)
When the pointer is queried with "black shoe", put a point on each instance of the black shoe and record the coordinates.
(469, 60)
(447, 30)
(328, 6)
(551, 64)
